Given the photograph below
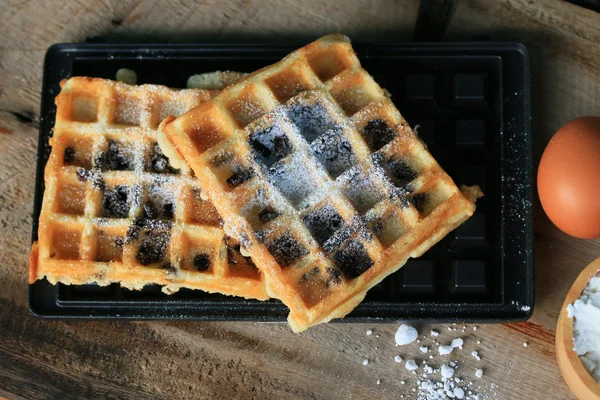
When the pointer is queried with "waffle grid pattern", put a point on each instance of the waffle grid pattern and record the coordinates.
(115, 211)
(320, 177)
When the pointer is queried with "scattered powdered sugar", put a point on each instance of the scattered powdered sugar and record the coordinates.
(128, 111)
(295, 179)
(411, 365)
(438, 383)
(521, 307)
(446, 371)
(446, 388)
(459, 393)
(405, 334)
(434, 333)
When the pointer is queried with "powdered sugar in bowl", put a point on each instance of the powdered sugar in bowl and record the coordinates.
(583, 301)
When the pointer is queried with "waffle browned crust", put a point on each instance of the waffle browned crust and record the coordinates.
(316, 172)
(113, 208)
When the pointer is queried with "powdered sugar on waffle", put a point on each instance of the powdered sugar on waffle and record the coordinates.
(295, 180)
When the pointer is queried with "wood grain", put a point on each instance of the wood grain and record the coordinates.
(53, 359)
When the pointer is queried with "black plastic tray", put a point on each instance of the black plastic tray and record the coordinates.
(472, 102)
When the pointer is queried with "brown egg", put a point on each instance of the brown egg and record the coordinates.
(569, 178)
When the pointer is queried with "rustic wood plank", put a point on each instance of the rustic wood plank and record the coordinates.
(49, 359)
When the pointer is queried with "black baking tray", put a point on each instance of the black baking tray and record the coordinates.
(472, 104)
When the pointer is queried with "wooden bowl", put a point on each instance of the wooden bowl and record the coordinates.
(582, 384)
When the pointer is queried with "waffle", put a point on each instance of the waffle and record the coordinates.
(317, 174)
(113, 208)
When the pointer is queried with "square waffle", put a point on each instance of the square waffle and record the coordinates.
(115, 211)
(315, 171)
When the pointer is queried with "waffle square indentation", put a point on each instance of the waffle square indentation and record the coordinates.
(198, 253)
(323, 222)
(175, 108)
(419, 86)
(289, 82)
(259, 209)
(468, 277)
(399, 171)
(427, 201)
(208, 131)
(109, 246)
(294, 179)
(152, 238)
(353, 260)
(470, 132)
(418, 277)
(117, 201)
(286, 249)
(71, 199)
(240, 266)
(128, 111)
(312, 120)
(355, 91)
(334, 152)
(66, 242)
(84, 108)
(117, 157)
(363, 188)
(469, 89)
(159, 202)
(247, 107)
(200, 211)
(78, 151)
(270, 145)
(471, 234)
(157, 162)
(329, 62)
(314, 286)
(388, 227)
(377, 133)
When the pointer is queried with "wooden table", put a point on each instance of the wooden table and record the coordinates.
(40, 359)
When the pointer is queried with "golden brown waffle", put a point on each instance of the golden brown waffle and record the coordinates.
(316, 172)
(113, 208)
